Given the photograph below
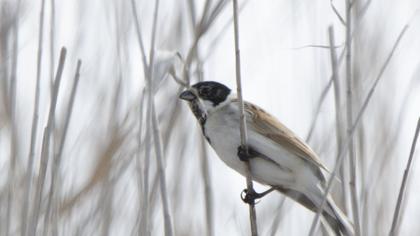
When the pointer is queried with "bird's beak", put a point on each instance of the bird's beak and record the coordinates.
(187, 95)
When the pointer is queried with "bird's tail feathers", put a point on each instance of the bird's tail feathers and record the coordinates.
(332, 217)
(336, 219)
(331, 213)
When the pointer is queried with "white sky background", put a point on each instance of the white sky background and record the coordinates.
(280, 78)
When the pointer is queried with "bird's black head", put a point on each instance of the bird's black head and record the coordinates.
(208, 91)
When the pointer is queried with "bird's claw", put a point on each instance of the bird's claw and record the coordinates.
(249, 196)
(243, 153)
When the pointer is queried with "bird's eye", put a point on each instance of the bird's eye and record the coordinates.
(204, 91)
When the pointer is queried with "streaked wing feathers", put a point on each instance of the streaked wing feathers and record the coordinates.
(267, 125)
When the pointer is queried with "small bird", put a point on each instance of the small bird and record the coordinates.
(276, 156)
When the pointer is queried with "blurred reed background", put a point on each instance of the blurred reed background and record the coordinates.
(89, 147)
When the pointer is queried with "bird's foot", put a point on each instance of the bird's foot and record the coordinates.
(245, 153)
(250, 196)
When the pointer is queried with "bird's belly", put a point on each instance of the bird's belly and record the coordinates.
(225, 140)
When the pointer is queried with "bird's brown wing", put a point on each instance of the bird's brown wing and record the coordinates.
(270, 127)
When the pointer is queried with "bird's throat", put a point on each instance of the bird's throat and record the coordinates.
(198, 112)
(200, 115)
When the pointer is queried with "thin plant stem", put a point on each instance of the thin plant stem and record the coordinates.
(340, 18)
(214, 42)
(13, 124)
(346, 144)
(53, 133)
(349, 93)
(277, 220)
(193, 14)
(145, 224)
(139, 37)
(321, 100)
(395, 219)
(208, 199)
(243, 129)
(200, 29)
(144, 219)
(319, 46)
(148, 73)
(51, 201)
(52, 40)
(46, 145)
(156, 132)
(205, 170)
(323, 97)
(338, 116)
(34, 128)
(52, 59)
(161, 171)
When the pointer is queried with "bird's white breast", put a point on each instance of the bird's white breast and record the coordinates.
(279, 168)
(222, 128)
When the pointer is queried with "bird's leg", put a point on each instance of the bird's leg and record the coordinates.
(245, 153)
(250, 196)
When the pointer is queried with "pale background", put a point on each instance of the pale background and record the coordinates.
(280, 73)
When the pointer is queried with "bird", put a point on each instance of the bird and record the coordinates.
(277, 157)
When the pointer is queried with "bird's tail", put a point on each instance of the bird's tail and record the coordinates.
(336, 219)
(333, 217)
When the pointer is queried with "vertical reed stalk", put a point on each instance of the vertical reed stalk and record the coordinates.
(338, 116)
(205, 171)
(12, 106)
(52, 202)
(244, 138)
(321, 100)
(34, 129)
(208, 199)
(395, 220)
(144, 217)
(349, 93)
(52, 59)
(46, 145)
(155, 128)
(52, 40)
(343, 151)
